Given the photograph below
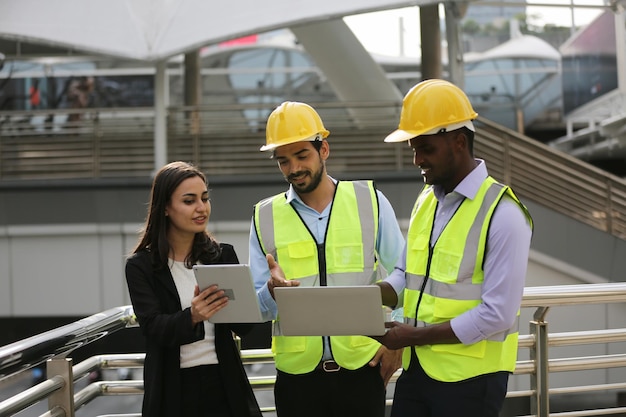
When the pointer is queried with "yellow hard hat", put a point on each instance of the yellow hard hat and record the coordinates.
(293, 122)
(430, 107)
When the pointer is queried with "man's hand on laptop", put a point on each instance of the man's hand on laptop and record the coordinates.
(277, 276)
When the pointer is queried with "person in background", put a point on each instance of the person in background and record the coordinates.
(34, 95)
(192, 367)
(321, 231)
(79, 93)
(463, 269)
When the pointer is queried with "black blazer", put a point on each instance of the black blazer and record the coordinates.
(166, 327)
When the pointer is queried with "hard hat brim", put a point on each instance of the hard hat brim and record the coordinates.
(323, 134)
(268, 147)
(399, 136)
(402, 135)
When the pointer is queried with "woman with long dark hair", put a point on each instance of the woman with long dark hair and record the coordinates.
(192, 367)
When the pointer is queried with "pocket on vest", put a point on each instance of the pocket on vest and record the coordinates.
(446, 265)
(348, 256)
(475, 350)
(289, 344)
(358, 341)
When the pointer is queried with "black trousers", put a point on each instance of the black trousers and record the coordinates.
(418, 395)
(331, 394)
(203, 392)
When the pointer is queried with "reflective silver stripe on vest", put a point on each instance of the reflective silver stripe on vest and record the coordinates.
(462, 291)
(414, 281)
(497, 337)
(466, 269)
(367, 277)
(366, 214)
(266, 226)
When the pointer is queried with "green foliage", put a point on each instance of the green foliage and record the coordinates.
(470, 27)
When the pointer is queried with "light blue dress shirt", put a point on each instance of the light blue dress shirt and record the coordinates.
(506, 260)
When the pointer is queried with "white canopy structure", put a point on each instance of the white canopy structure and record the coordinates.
(153, 30)
(156, 30)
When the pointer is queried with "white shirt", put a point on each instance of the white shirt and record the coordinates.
(201, 352)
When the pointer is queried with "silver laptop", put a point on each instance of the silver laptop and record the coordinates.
(330, 311)
(236, 281)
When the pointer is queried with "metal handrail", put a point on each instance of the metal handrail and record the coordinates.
(561, 295)
(554, 179)
(60, 342)
(112, 143)
(19, 356)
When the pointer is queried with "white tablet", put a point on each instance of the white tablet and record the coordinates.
(236, 282)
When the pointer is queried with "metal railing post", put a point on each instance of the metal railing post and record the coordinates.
(609, 207)
(540, 401)
(63, 398)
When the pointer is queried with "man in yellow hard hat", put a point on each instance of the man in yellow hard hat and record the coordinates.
(463, 269)
(321, 231)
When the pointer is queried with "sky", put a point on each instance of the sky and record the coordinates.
(380, 31)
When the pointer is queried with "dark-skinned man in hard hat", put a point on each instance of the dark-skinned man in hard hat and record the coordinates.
(463, 268)
(304, 230)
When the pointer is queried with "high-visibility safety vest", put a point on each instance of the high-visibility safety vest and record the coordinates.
(346, 257)
(448, 278)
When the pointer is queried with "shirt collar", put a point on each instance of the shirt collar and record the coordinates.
(470, 185)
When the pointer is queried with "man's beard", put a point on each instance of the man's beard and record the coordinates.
(316, 179)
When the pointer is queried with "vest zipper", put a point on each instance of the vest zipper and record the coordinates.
(321, 259)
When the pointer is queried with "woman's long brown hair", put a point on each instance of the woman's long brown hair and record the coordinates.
(154, 234)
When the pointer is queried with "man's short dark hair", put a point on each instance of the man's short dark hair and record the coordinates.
(317, 144)
(470, 139)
